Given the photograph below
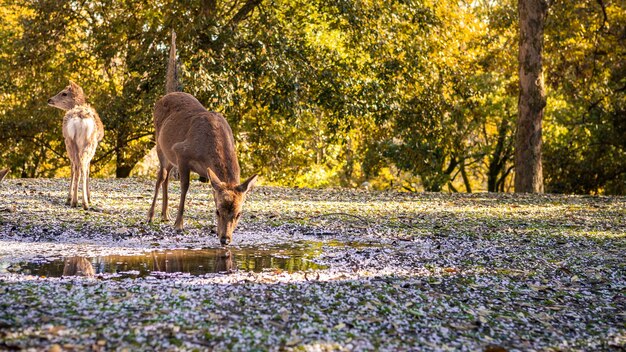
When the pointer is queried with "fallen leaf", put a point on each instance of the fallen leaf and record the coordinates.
(294, 340)
(284, 315)
(339, 326)
(55, 329)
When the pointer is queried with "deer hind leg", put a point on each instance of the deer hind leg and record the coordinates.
(69, 146)
(84, 174)
(159, 181)
(162, 175)
(88, 184)
(75, 180)
(69, 194)
(74, 159)
(183, 171)
(164, 213)
(88, 154)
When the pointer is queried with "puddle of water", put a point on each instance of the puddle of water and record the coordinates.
(290, 258)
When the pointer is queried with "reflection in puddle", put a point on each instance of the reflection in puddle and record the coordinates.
(194, 262)
(78, 266)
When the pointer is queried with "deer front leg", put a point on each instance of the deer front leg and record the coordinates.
(159, 181)
(183, 172)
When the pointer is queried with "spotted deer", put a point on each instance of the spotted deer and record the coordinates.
(191, 138)
(82, 130)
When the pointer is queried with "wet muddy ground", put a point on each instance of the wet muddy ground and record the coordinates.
(311, 270)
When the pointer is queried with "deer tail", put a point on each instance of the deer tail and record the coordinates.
(172, 83)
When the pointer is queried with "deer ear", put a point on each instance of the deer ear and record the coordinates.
(75, 87)
(216, 183)
(247, 184)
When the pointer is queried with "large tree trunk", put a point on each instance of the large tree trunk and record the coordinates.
(532, 99)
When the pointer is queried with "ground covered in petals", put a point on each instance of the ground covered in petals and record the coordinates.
(389, 271)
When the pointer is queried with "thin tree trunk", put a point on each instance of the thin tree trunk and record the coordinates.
(466, 181)
(500, 156)
(123, 171)
(532, 99)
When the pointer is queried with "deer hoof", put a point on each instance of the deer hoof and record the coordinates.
(73, 204)
(178, 226)
(86, 206)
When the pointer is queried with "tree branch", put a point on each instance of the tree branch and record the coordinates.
(243, 12)
(209, 8)
(605, 19)
(47, 146)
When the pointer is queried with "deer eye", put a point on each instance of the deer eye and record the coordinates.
(238, 216)
(64, 94)
(217, 212)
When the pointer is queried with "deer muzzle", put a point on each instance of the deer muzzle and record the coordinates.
(225, 229)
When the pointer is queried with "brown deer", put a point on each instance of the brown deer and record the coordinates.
(191, 138)
(82, 130)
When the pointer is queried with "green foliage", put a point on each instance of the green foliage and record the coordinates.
(405, 94)
(586, 129)
(110, 49)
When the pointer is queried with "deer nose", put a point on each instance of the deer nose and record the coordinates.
(224, 241)
(49, 101)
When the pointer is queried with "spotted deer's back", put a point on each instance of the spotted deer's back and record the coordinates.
(82, 125)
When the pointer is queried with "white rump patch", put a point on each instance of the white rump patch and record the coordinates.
(81, 131)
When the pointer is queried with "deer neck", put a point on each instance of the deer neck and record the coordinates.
(227, 171)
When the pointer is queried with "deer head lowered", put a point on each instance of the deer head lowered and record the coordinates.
(193, 139)
(229, 198)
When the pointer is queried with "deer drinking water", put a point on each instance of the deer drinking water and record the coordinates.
(193, 139)
(82, 130)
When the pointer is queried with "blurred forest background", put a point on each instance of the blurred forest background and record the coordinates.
(406, 94)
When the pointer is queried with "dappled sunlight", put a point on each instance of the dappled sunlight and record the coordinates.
(417, 117)
(378, 268)
(441, 302)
